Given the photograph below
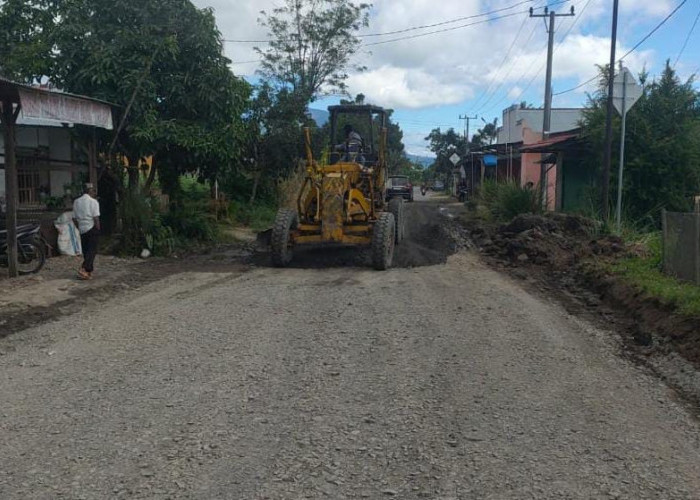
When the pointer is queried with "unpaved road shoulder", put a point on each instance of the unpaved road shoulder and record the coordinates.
(445, 381)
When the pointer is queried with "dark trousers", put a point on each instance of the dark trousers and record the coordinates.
(89, 242)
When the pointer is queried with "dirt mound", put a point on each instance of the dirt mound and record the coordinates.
(555, 240)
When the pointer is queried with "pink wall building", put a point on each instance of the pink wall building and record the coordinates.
(522, 127)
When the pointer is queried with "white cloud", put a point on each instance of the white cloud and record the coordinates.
(449, 68)
(394, 87)
(515, 92)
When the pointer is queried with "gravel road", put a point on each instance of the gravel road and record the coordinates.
(445, 381)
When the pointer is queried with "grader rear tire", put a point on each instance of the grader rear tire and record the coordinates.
(383, 241)
(396, 207)
(286, 222)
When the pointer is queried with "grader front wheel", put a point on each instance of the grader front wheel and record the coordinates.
(396, 207)
(383, 241)
(286, 222)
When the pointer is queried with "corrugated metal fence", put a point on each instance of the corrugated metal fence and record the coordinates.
(681, 235)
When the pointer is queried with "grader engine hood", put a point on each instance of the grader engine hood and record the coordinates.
(332, 194)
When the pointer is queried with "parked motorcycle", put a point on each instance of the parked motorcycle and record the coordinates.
(463, 194)
(30, 252)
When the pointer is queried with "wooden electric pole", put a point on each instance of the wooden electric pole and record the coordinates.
(607, 152)
(9, 118)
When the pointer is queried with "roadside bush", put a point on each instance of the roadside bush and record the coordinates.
(136, 214)
(506, 200)
(258, 216)
(192, 221)
(288, 187)
(187, 220)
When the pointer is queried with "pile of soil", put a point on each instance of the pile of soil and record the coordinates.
(557, 241)
(564, 253)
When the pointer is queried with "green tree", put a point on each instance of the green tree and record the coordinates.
(25, 39)
(311, 44)
(163, 63)
(444, 144)
(662, 159)
(274, 146)
(486, 135)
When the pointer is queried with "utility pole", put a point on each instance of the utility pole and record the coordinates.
(607, 154)
(8, 120)
(547, 118)
(466, 119)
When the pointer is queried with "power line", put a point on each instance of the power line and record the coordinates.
(687, 38)
(246, 62)
(510, 70)
(577, 86)
(498, 70)
(414, 28)
(646, 37)
(568, 31)
(447, 22)
(444, 30)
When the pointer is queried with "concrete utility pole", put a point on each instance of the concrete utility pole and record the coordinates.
(466, 119)
(607, 154)
(547, 118)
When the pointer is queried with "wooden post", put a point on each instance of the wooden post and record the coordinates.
(8, 120)
(92, 159)
(664, 238)
(559, 194)
(697, 248)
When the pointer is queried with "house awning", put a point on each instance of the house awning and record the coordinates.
(553, 144)
(52, 106)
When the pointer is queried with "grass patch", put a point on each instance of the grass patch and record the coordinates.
(644, 272)
(504, 201)
(258, 216)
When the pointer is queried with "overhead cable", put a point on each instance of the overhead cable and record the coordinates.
(646, 37)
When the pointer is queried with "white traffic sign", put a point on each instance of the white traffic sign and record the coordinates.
(455, 158)
(626, 85)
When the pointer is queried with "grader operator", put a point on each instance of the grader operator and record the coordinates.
(343, 198)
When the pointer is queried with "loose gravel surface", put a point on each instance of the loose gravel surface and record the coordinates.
(444, 381)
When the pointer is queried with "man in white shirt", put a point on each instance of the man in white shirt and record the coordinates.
(86, 214)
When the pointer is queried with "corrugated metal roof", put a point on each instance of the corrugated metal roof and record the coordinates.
(10, 87)
(547, 145)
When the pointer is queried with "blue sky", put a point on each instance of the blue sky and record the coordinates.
(430, 80)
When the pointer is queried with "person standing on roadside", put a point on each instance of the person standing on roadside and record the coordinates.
(86, 214)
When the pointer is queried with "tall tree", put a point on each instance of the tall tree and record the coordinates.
(662, 159)
(444, 144)
(25, 39)
(162, 62)
(311, 44)
(487, 134)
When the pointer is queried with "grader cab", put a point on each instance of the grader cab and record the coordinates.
(343, 198)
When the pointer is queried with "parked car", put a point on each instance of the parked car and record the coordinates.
(399, 185)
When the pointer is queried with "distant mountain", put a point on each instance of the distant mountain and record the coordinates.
(320, 116)
(426, 161)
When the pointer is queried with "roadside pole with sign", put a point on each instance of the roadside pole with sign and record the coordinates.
(629, 91)
(455, 160)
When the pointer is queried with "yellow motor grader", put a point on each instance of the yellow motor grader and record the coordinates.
(343, 198)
